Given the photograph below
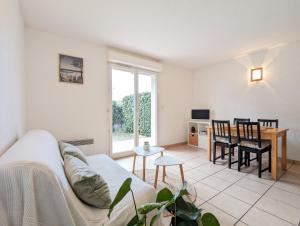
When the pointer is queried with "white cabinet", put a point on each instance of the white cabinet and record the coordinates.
(197, 133)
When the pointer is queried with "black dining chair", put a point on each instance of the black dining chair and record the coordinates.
(222, 137)
(235, 120)
(272, 123)
(249, 141)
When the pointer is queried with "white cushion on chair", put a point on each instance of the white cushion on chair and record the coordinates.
(226, 140)
(250, 144)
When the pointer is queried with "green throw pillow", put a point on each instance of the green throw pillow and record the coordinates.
(69, 149)
(88, 186)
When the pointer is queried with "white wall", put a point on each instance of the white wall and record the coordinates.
(78, 111)
(11, 73)
(226, 89)
(174, 104)
(67, 110)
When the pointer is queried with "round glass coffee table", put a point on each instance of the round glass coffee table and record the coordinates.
(139, 151)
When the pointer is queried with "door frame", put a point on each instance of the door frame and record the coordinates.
(136, 71)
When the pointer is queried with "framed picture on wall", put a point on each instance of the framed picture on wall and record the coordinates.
(70, 69)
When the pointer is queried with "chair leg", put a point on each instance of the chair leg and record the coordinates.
(270, 161)
(229, 157)
(249, 156)
(222, 152)
(214, 153)
(156, 176)
(232, 151)
(239, 158)
(259, 165)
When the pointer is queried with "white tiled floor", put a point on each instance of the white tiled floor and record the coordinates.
(236, 198)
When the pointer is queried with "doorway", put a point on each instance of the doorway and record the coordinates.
(133, 109)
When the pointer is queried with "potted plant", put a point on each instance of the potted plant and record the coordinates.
(183, 213)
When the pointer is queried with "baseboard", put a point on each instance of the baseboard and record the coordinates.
(291, 160)
(296, 162)
(174, 145)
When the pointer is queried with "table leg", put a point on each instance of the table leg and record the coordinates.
(133, 167)
(274, 156)
(156, 176)
(181, 172)
(283, 152)
(144, 168)
(209, 143)
(164, 168)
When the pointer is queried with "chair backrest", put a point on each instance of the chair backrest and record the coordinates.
(221, 129)
(235, 120)
(273, 123)
(249, 132)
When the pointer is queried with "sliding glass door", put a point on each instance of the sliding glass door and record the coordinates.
(133, 104)
(122, 110)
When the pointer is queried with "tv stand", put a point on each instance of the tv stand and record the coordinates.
(198, 137)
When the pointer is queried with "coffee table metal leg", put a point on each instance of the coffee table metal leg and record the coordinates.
(181, 172)
(144, 168)
(164, 173)
(133, 167)
(156, 176)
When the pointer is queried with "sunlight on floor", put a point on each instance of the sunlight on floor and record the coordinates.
(236, 198)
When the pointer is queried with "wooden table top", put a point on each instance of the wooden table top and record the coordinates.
(262, 129)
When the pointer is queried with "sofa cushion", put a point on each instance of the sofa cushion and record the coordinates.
(89, 186)
(115, 175)
(69, 149)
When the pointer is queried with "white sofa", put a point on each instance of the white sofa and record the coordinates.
(35, 191)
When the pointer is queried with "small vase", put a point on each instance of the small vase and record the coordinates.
(146, 146)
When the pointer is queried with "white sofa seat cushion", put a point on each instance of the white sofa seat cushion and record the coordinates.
(114, 175)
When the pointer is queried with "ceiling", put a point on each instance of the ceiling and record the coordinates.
(191, 33)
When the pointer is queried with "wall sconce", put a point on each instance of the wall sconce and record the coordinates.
(256, 74)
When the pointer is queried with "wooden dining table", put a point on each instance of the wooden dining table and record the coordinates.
(273, 134)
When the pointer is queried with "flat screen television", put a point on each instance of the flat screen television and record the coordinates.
(200, 114)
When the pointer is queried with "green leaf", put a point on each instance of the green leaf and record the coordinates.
(188, 215)
(160, 211)
(181, 193)
(186, 210)
(187, 223)
(142, 222)
(164, 195)
(148, 207)
(124, 189)
(136, 222)
(208, 219)
(182, 204)
(133, 221)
